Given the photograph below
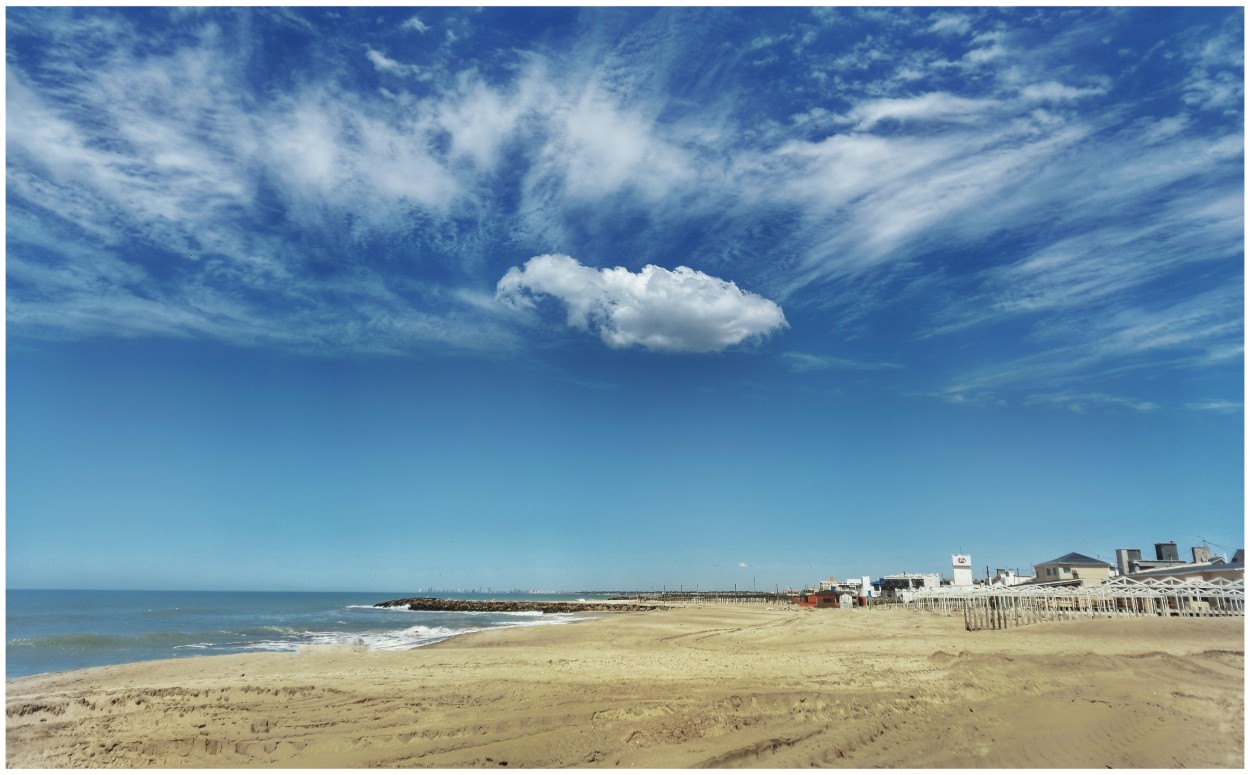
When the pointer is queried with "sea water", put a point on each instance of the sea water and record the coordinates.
(55, 630)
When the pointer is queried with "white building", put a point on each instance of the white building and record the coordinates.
(961, 571)
(860, 585)
(899, 586)
(1005, 577)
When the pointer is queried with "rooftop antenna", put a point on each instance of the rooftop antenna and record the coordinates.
(1207, 543)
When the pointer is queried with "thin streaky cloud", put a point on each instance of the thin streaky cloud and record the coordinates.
(1216, 405)
(1084, 402)
(805, 362)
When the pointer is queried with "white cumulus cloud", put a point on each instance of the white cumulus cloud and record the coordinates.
(682, 310)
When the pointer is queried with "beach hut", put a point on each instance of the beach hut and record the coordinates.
(824, 598)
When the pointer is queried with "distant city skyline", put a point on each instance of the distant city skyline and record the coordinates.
(617, 298)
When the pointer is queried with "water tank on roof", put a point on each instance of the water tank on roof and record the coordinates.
(1167, 552)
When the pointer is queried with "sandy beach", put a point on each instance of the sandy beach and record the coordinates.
(710, 686)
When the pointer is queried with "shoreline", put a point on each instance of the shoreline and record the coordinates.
(587, 615)
(148, 626)
(712, 685)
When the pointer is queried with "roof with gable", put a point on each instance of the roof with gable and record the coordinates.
(1076, 558)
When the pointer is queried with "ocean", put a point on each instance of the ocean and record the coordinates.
(55, 630)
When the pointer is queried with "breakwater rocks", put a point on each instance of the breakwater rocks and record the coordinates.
(511, 606)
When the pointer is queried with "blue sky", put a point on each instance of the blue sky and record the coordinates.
(562, 298)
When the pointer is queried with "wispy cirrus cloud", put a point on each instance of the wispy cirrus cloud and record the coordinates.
(415, 24)
(951, 24)
(973, 174)
(160, 150)
(930, 108)
(1082, 403)
(805, 362)
(1216, 79)
(1053, 91)
(1191, 334)
(385, 64)
(1221, 406)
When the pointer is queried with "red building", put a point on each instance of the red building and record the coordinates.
(827, 598)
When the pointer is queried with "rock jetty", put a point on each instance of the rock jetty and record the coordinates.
(511, 606)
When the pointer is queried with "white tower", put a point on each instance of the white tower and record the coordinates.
(961, 570)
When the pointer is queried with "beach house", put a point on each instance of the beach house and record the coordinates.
(822, 598)
(1073, 566)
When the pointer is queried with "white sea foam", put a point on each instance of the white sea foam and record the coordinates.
(406, 610)
(274, 645)
(293, 639)
(422, 635)
(395, 640)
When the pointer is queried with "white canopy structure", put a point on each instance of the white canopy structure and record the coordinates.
(1001, 607)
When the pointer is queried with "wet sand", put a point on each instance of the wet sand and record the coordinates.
(718, 686)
